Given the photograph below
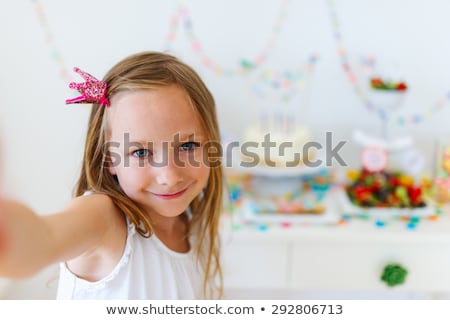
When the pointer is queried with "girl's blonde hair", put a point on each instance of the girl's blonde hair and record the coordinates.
(149, 70)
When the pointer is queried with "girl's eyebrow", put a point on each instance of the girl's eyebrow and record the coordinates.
(175, 137)
(191, 135)
(140, 144)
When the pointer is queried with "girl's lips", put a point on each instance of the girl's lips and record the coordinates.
(171, 196)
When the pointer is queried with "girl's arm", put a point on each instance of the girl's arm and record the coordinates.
(90, 232)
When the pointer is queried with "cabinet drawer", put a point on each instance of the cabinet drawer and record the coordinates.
(254, 266)
(359, 266)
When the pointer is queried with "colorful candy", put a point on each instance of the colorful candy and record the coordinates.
(385, 189)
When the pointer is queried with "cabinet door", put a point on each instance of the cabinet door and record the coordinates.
(359, 266)
(255, 266)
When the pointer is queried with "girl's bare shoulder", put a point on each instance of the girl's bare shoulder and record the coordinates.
(91, 201)
(96, 211)
(86, 224)
(103, 227)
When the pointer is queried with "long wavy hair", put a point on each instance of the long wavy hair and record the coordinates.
(150, 70)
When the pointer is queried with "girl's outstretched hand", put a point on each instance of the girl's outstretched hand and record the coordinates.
(17, 224)
(5, 208)
(4, 213)
(2, 228)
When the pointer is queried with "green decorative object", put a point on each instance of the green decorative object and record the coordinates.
(247, 65)
(394, 275)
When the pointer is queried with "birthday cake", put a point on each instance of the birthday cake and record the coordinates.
(272, 146)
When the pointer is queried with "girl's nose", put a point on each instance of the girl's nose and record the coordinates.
(169, 173)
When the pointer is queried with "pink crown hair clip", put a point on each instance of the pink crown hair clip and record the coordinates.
(92, 90)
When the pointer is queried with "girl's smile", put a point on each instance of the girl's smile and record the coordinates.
(170, 196)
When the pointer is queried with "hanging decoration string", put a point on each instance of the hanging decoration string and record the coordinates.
(182, 16)
(286, 83)
(50, 40)
(267, 84)
(344, 60)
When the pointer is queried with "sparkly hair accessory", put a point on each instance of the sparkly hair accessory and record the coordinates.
(92, 90)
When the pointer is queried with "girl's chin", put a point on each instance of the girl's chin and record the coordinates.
(168, 211)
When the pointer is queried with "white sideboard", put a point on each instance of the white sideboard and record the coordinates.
(339, 258)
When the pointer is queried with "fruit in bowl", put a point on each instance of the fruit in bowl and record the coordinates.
(382, 84)
(384, 189)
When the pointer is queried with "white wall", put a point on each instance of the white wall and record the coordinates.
(42, 138)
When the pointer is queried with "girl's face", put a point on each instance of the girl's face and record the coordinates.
(157, 147)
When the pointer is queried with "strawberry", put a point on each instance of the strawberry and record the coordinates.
(376, 83)
(402, 86)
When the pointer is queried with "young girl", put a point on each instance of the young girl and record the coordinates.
(144, 222)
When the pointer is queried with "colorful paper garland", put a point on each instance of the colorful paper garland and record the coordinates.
(344, 59)
(50, 39)
(246, 65)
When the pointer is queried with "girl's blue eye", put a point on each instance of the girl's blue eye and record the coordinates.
(188, 146)
(141, 153)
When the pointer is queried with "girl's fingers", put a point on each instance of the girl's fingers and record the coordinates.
(2, 225)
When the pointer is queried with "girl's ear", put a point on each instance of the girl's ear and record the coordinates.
(112, 170)
(112, 158)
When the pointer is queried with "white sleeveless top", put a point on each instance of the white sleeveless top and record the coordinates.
(147, 270)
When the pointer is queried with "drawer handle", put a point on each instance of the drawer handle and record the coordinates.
(394, 274)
